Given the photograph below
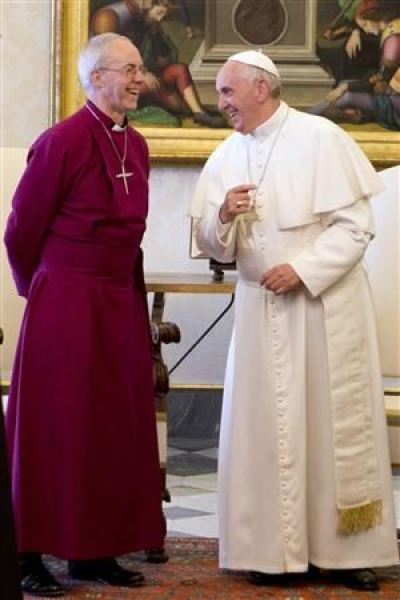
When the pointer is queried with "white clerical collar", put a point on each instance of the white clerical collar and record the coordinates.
(265, 129)
(117, 127)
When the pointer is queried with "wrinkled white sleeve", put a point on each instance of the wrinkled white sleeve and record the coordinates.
(212, 237)
(337, 249)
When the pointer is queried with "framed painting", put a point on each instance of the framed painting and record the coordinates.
(298, 34)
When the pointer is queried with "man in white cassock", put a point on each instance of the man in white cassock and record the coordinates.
(304, 471)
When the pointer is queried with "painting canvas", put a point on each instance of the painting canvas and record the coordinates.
(167, 34)
(316, 43)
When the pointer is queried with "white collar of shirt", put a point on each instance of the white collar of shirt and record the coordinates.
(264, 130)
(117, 127)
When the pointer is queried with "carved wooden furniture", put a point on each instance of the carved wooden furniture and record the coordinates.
(176, 283)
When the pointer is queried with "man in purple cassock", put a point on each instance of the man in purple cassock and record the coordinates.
(80, 423)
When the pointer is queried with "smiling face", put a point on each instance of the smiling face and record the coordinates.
(369, 25)
(158, 12)
(242, 99)
(118, 80)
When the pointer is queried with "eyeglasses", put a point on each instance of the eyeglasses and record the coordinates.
(127, 70)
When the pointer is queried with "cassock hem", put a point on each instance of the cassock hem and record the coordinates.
(367, 563)
(115, 552)
(262, 568)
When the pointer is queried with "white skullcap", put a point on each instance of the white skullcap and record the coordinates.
(255, 58)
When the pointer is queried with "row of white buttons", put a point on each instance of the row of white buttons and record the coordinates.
(282, 428)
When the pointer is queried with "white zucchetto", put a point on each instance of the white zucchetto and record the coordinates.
(255, 58)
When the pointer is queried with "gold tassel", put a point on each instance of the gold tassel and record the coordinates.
(359, 518)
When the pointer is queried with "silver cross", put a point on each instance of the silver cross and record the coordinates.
(124, 175)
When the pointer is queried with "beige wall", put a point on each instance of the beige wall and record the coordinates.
(383, 264)
(24, 108)
(25, 71)
(12, 162)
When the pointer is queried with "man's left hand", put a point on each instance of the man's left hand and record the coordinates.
(337, 92)
(353, 45)
(281, 279)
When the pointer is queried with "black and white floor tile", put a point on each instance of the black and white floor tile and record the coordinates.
(192, 483)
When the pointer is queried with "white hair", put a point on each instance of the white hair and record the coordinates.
(93, 54)
(252, 73)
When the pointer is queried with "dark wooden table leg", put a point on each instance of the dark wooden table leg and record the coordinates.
(162, 333)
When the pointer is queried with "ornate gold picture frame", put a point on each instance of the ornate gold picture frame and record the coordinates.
(172, 144)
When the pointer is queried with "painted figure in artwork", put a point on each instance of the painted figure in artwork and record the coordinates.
(168, 82)
(375, 97)
(345, 49)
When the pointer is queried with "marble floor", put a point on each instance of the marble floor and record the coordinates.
(192, 483)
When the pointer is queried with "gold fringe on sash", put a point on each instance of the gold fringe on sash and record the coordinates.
(359, 518)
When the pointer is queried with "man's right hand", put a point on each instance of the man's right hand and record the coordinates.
(152, 82)
(353, 45)
(337, 92)
(238, 201)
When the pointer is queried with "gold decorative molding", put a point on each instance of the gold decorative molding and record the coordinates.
(73, 29)
(195, 145)
(381, 147)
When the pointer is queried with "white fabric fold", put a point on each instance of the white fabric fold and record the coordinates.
(341, 177)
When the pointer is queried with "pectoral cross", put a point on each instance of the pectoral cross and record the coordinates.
(124, 175)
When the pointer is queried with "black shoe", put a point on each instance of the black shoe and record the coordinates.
(203, 118)
(104, 571)
(357, 579)
(157, 556)
(259, 578)
(40, 582)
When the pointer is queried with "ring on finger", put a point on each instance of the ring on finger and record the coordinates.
(239, 204)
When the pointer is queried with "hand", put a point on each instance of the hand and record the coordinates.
(158, 12)
(378, 83)
(151, 81)
(328, 34)
(334, 34)
(281, 279)
(337, 92)
(353, 45)
(237, 201)
(380, 87)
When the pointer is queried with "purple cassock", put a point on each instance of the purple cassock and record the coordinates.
(81, 428)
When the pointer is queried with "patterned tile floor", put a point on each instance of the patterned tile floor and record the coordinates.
(192, 483)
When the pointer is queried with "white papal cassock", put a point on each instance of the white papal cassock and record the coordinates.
(303, 430)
